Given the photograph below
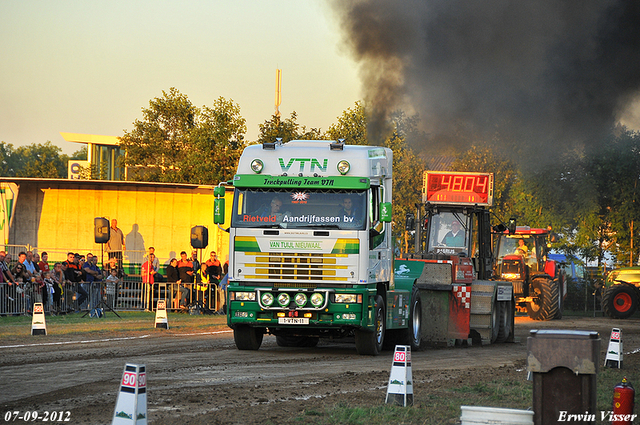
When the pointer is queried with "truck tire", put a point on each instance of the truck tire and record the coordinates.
(620, 301)
(506, 321)
(545, 303)
(296, 341)
(495, 320)
(247, 338)
(413, 334)
(370, 343)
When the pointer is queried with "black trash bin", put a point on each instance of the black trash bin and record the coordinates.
(564, 365)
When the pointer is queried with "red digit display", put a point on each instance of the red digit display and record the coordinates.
(441, 187)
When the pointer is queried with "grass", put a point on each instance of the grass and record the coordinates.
(130, 323)
(442, 405)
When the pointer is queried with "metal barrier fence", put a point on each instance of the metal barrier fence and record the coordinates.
(127, 295)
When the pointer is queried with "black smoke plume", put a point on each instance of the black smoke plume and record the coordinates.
(552, 74)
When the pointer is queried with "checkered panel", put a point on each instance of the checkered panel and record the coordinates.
(463, 293)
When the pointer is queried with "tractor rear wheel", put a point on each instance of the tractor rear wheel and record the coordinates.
(544, 305)
(620, 301)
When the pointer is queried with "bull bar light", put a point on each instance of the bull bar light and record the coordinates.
(284, 299)
(300, 299)
(267, 299)
(317, 299)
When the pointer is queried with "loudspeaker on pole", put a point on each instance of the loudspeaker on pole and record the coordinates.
(101, 230)
(199, 237)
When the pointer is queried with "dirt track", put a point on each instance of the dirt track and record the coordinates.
(202, 378)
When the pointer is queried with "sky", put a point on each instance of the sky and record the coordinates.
(91, 66)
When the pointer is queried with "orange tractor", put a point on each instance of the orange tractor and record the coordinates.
(539, 286)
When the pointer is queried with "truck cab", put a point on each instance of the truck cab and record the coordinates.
(310, 245)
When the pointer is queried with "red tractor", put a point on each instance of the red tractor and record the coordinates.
(538, 283)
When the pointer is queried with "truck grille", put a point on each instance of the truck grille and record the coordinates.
(336, 261)
(296, 266)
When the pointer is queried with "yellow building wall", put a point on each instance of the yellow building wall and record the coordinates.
(60, 218)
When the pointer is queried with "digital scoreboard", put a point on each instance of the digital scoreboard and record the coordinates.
(457, 188)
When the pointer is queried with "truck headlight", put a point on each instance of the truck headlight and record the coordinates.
(242, 296)
(300, 299)
(284, 299)
(511, 275)
(346, 298)
(267, 299)
(317, 299)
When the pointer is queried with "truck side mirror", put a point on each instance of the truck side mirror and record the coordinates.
(218, 211)
(409, 222)
(386, 213)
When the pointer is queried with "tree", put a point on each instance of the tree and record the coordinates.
(408, 169)
(39, 160)
(351, 126)
(178, 142)
(287, 130)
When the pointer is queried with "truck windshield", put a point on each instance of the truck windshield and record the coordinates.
(294, 208)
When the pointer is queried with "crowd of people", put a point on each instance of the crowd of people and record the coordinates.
(80, 284)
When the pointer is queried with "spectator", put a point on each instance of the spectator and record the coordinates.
(195, 262)
(73, 275)
(116, 243)
(113, 282)
(148, 272)
(93, 277)
(185, 273)
(185, 268)
(213, 267)
(43, 265)
(202, 285)
(157, 277)
(24, 272)
(20, 272)
(49, 288)
(29, 264)
(4, 266)
(174, 277)
(57, 276)
(113, 265)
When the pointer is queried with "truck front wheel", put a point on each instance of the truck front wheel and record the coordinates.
(247, 338)
(370, 343)
(545, 300)
(620, 301)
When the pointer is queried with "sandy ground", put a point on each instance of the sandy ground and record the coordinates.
(201, 378)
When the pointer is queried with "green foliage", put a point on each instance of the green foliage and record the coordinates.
(351, 126)
(178, 142)
(36, 160)
(287, 130)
